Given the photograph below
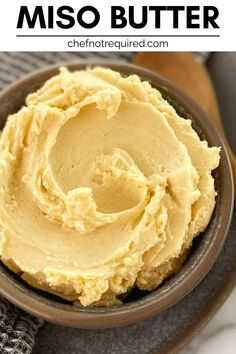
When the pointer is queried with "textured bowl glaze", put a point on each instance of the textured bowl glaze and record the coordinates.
(205, 249)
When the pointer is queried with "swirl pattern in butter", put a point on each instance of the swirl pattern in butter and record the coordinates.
(103, 187)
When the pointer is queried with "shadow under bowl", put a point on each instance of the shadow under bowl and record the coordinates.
(205, 249)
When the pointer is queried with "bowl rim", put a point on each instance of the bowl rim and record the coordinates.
(148, 306)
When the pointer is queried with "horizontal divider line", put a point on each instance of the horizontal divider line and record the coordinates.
(119, 36)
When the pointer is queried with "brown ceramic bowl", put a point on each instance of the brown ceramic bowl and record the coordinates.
(205, 249)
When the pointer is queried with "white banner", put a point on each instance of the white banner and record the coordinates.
(124, 25)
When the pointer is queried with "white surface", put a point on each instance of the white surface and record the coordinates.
(219, 336)
(10, 9)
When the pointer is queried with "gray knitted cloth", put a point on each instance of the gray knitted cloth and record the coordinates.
(18, 329)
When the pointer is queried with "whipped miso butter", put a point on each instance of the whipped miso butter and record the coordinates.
(103, 187)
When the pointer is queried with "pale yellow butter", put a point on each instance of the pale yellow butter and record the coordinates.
(103, 186)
